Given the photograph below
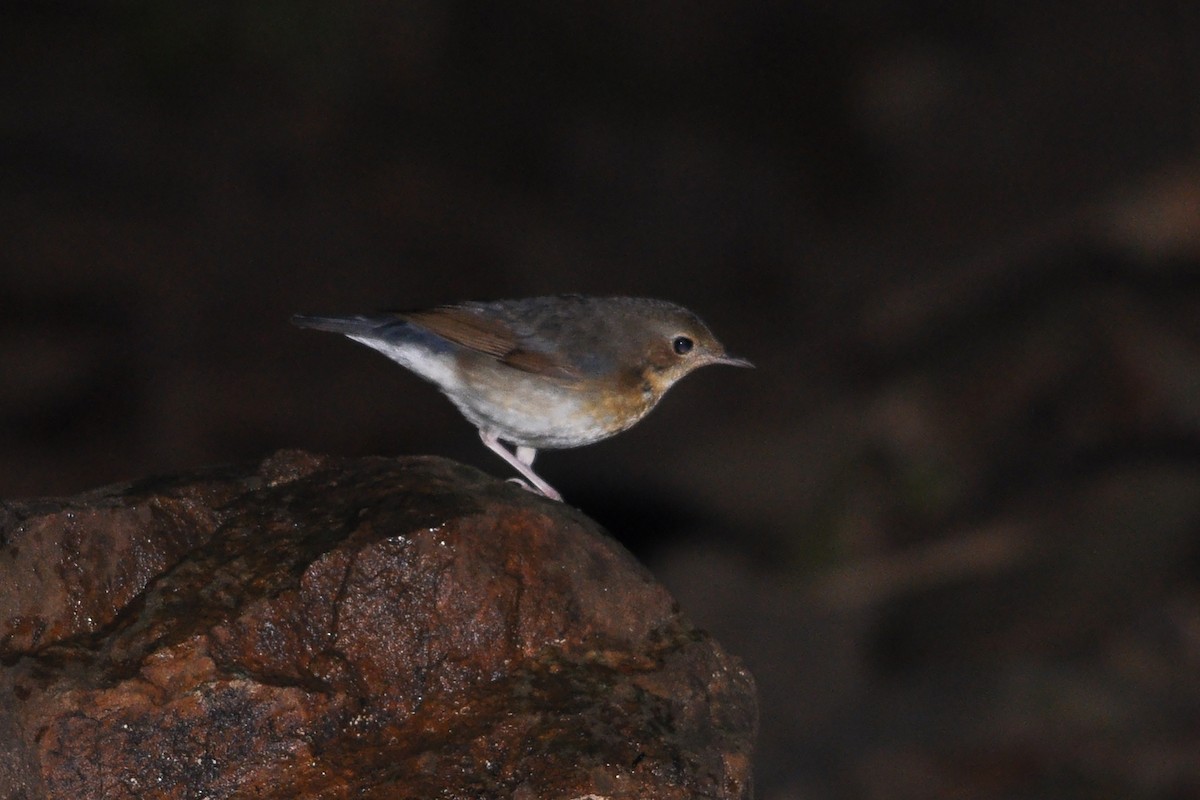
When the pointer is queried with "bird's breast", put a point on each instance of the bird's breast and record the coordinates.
(542, 413)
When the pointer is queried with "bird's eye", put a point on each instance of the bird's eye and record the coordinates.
(682, 345)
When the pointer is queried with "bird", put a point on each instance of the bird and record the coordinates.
(542, 373)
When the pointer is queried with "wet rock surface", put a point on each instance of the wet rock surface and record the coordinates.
(324, 628)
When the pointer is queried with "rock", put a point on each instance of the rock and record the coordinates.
(372, 628)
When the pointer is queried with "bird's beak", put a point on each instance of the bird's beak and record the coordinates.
(732, 361)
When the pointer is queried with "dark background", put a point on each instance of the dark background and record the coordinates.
(950, 522)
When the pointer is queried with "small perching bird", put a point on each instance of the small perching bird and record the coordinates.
(542, 372)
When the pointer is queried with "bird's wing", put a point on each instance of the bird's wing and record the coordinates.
(486, 334)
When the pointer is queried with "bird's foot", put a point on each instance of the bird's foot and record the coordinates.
(521, 461)
(527, 486)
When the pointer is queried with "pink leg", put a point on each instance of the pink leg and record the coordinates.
(519, 463)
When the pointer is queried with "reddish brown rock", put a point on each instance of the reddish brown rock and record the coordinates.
(375, 628)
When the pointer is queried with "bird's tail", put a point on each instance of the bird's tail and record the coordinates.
(348, 325)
